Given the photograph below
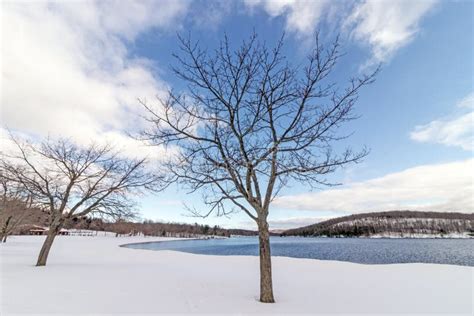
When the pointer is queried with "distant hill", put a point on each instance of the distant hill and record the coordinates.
(392, 224)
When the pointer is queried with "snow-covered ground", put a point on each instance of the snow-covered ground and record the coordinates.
(93, 275)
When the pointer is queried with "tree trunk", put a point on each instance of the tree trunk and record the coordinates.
(4, 234)
(266, 287)
(52, 233)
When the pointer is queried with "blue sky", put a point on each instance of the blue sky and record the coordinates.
(92, 60)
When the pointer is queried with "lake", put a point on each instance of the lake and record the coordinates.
(358, 250)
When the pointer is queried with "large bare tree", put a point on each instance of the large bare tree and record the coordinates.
(73, 181)
(250, 123)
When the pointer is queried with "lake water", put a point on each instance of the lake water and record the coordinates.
(359, 250)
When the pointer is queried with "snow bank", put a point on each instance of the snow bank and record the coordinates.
(93, 275)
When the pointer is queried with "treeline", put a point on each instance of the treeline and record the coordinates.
(17, 218)
(398, 223)
(152, 228)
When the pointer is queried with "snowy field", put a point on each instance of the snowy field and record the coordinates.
(93, 275)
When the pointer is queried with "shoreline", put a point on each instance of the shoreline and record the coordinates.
(383, 237)
(231, 248)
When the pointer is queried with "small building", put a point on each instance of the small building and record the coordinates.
(39, 230)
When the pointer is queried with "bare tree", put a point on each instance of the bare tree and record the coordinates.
(71, 181)
(14, 206)
(251, 123)
(12, 215)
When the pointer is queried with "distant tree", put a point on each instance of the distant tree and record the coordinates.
(15, 205)
(249, 123)
(206, 229)
(72, 181)
(12, 215)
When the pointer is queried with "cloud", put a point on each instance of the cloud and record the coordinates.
(456, 132)
(467, 101)
(209, 14)
(67, 71)
(301, 17)
(439, 187)
(386, 25)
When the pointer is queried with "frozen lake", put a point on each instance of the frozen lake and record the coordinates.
(358, 250)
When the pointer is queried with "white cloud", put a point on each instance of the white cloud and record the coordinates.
(386, 25)
(467, 101)
(456, 131)
(301, 16)
(66, 68)
(209, 14)
(439, 187)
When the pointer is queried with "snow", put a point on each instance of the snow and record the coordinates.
(88, 275)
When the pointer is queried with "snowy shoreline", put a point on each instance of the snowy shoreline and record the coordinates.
(387, 236)
(94, 275)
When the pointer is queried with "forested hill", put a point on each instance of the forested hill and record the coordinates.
(392, 224)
